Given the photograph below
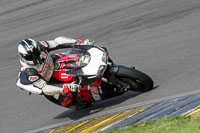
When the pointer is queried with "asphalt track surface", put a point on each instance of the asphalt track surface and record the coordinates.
(159, 37)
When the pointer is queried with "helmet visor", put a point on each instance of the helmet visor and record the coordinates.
(33, 56)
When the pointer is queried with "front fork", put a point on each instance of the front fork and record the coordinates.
(110, 77)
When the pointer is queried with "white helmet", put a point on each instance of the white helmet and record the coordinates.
(29, 51)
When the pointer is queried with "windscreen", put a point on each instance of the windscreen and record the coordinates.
(77, 58)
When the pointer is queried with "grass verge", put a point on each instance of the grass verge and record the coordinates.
(175, 124)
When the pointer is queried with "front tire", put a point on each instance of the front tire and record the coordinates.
(137, 80)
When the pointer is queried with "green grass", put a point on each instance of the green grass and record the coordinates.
(175, 124)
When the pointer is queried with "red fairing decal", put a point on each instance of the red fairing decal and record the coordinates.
(33, 78)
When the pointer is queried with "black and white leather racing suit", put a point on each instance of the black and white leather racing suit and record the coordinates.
(34, 78)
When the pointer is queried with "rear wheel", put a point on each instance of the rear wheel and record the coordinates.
(137, 80)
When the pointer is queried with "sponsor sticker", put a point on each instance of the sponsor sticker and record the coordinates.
(96, 97)
(33, 78)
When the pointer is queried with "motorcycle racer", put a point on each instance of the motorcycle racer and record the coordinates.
(38, 66)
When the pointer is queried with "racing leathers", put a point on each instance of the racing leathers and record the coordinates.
(35, 78)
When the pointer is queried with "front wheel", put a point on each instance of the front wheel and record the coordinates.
(137, 80)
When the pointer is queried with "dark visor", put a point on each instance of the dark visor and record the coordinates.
(30, 57)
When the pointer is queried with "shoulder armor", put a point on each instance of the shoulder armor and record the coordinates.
(44, 45)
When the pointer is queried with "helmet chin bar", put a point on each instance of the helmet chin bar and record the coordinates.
(36, 62)
(33, 62)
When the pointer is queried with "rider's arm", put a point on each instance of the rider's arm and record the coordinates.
(63, 42)
(31, 81)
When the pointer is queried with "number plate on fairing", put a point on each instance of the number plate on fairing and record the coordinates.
(95, 92)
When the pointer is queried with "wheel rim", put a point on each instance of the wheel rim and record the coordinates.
(134, 84)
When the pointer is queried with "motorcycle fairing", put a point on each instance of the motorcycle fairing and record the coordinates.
(95, 62)
(66, 63)
(88, 63)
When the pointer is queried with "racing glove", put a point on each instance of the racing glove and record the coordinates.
(70, 87)
(85, 42)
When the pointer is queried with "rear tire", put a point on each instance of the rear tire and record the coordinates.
(137, 80)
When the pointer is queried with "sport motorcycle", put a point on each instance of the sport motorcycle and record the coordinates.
(105, 79)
